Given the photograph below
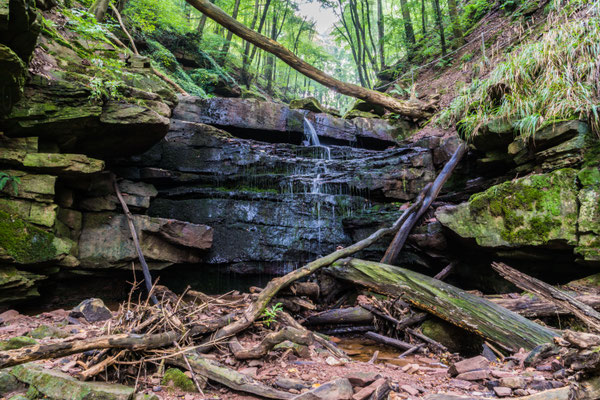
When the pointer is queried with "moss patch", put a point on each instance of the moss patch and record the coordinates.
(27, 244)
(177, 379)
(17, 342)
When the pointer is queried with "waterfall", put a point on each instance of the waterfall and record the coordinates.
(313, 139)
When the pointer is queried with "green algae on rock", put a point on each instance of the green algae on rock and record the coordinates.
(17, 342)
(176, 378)
(307, 103)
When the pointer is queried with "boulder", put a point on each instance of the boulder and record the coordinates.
(105, 241)
(60, 386)
(93, 310)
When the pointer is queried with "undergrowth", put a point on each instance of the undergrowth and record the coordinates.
(549, 79)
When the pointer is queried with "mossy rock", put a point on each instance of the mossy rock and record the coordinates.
(8, 383)
(24, 243)
(16, 343)
(12, 75)
(529, 211)
(361, 105)
(359, 114)
(307, 103)
(177, 379)
(47, 331)
(60, 386)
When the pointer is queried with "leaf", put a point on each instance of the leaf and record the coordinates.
(15, 186)
(3, 181)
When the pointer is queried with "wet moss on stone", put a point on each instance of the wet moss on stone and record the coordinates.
(176, 378)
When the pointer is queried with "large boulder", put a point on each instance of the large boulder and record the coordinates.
(549, 210)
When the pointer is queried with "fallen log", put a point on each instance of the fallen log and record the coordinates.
(67, 347)
(582, 311)
(351, 315)
(535, 307)
(398, 242)
(288, 320)
(494, 323)
(427, 339)
(271, 340)
(388, 341)
(348, 329)
(415, 109)
(228, 377)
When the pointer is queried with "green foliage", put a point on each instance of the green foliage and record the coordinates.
(104, 89)
(550, 79)
(270, 313)
(146, 16)
(5, 179)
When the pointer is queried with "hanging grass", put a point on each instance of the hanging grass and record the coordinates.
(553, 78)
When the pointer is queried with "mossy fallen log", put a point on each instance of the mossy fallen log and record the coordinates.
(470, 312)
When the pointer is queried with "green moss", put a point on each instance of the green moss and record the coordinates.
(24, 242)
(47, 331)
(589, 176)
(17, 342)
(176, 378)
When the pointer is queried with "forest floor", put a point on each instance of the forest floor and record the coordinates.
(414, 376)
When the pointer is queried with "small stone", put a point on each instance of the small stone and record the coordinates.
(520, 392)
(497, 373)
(470, 364)
(290, 383)
(477, 375)
(359, 378)
(541, 385)
(410, 390)
(513, 382)
(339, 389)
(93, 310)
(255, 363)
(156, 389)
(366, 392)
(502, 391)
(332, 361)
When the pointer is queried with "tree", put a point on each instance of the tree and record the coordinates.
(408, 27)
(99, 8)
(412, 109)
(440, 24)
(225, 50)
(455, 23)
(381, 33)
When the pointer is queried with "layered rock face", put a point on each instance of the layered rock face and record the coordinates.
(557, 207)
(272, 206)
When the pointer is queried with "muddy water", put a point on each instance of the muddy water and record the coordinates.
(361, 349)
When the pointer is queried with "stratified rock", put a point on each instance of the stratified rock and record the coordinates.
(60, 386)
(105, 241)
(12, 75)
(33, 187)
(43, 214)
(307, 103)
(277, 123)
(9, 383)
(529, 211)
(469, 364)
(93, 310)
(16, 285)
(63, 164)
(339, 389)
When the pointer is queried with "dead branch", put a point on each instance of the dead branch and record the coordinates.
(271, 340)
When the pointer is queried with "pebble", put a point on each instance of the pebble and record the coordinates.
(502, 391)
(156, 389)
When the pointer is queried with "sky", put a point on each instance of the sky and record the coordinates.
(324, 17)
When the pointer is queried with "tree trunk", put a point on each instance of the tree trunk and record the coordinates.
(535, 307)
(582, 311)
(245, 75)
(381, 33)
(405, 108)
(408, 27)
(440, 24)
(475, 314)
(456, 28)
(423, 19)
(225, 49)
(99, 8)
(350, 315)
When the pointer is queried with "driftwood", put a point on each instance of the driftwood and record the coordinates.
(411, 350)
(535, 307)
(398, 242)
(67, 347)
(288, 320)
(288, 333)
(351, 315)
(348, 329)
(427, 339)
(443, 274)
(389, 341)
(411, 320)
(582, 311)
(494, 323)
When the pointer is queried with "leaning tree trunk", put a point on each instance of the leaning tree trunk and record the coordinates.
(409, 109)
(440, 24)
(475, 314)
